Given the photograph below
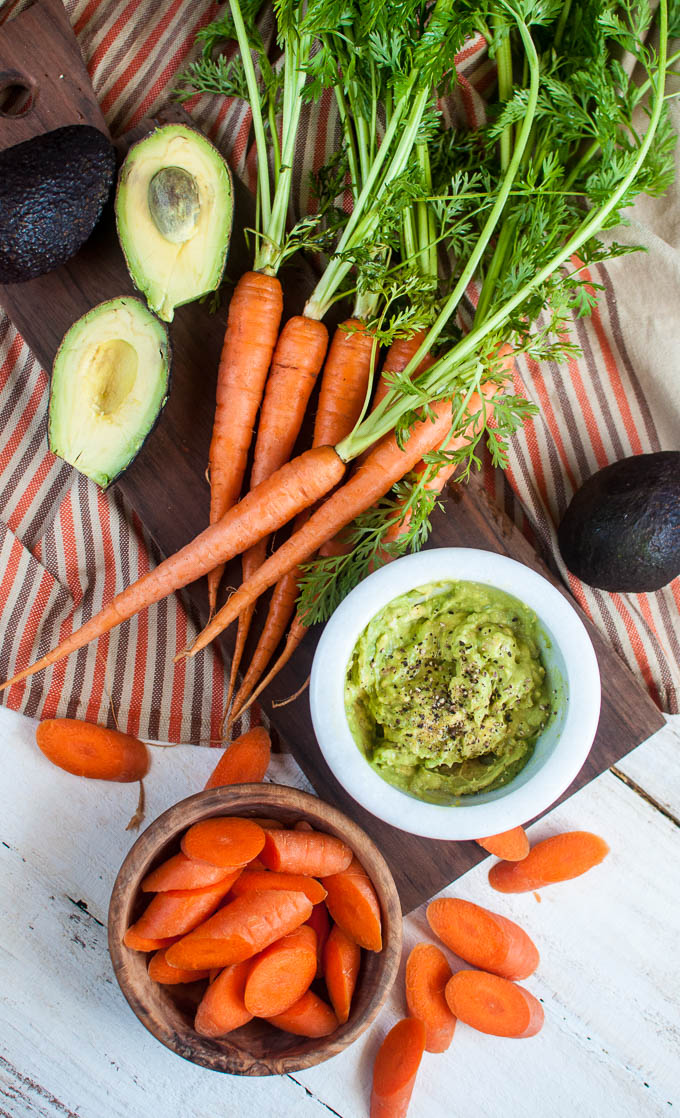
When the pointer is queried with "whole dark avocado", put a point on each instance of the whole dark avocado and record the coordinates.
(52, 192)
(621, 531)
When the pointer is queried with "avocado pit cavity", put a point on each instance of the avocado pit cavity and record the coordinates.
(174, 203)
(111, 375)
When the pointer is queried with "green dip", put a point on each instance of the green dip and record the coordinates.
(445, 691)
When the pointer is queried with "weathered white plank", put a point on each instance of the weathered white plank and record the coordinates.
(655, 766)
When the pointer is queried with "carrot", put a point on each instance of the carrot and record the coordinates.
(161, 972)
(311, 853)
(344, 383)
(512, 845)
(239, 930)
(385, 465)
(395, 1069)
(245, 761)
(267, 825)
(297, 359)
(353, 904)
(427, 972)
(557, 858)
(398, 356)
(180, 872)
(223, 841)
(296, 635)
(494, 1005)
(178, 911)
(135, 942)
(85, 749)
(222, 1008)
(320, 921)
(282, 973)
(254, 881)
(341, 961)
(310, 1016)
(272, 504)
(484, 939)
(252, 329)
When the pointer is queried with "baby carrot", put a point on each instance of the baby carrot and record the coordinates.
(135, 942)
(222, 1008)
(223, 841)
(353, 904)
(427, 972)
(245, 761)
(341, 962)
(85, 749)
(281, 974)
(178, 911)
(395, 1069)
(254, 881)
(484, 939)
(310, 1016)
(161, 972)
(320, 921)
(494, 1005)
(557, 858)
(238, 931)
(180, 872)
(306, 852)
(512, 845)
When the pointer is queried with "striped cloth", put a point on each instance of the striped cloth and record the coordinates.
(65, 547)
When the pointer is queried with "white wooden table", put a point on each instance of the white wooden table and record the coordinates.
(609, 976)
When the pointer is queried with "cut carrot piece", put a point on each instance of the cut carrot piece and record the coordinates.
(511, 845)
(558, 858)
(281, 974)
(308, 852)
(180, 872)
(341, 962)
(222, 1008)
(484, 939)
(256, 880)
(135, 942)
(267, 824)
(242, 928)
(227, 842)
(84, 749)
(494, 1005)
(178, 911)
(396, 1067)
(353, 904)
(245, 761)
(427, 972)
(310, 1016)
(160, 971)
(320, 921)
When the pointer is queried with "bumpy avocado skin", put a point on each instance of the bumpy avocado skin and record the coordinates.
(52, 192)
(621, 531)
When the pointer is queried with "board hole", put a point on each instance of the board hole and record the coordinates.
(17, 98)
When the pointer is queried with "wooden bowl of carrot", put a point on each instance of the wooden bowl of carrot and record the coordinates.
(186, 1015)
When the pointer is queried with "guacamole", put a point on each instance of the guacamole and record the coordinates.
(445, 690)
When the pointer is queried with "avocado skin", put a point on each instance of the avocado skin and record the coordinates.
(53, 189)
(621, 531)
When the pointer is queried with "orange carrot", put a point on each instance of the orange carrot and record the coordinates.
(222, 1008)
(398, 356)
(161, 972)
(395, 1069)
(136, 942)
(180, 872)
(178, 911)
(427, 972)
(297, 359)
(341, 961)
(353, 904)
(558, 858)
(254, 881)
(311, 853)
(245, 761)
(484, 939)
(238, 931)
(310, 1016)
(252, 329)
(296, 635)
(297, 485)
(386, 464)
(85, 749)
(282, 973)
(345, 382)
(512, 845)
(228, 842)
(494, 1005)
(267, 825)
(320, 921)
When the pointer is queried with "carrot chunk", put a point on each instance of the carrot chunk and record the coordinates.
(310, 1016)
(245, 761)
(222, 1008)
(254, 881)
(341, 962)
(180, 872)
(427, 972)
(396, 1067)
(223, 841)
(353, 904)
(178, 911)
(494, 1005)
(557, 858)
(320, 921)
(483, 938)
(160, 971)
(136, 942)
(84, 749)
(281, 974)
(511, 845)
(307, 852)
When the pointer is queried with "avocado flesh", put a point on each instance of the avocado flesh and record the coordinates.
(174, 261)
(109, 384)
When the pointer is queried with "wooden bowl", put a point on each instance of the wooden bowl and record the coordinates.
(168, 1011)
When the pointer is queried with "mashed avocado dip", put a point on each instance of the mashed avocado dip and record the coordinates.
(445, 690)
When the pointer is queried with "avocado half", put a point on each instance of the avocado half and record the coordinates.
(174, 210)
(52, 191)
(110, 380)
(621, 531)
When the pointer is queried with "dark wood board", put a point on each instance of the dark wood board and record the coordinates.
(166, 485)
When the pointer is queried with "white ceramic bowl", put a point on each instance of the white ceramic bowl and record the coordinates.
(561, 749)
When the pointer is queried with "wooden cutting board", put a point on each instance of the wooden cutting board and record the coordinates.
(166, 484)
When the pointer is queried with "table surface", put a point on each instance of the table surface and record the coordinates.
(608, 977)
